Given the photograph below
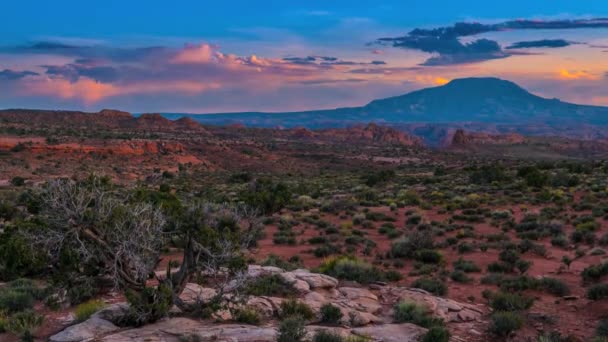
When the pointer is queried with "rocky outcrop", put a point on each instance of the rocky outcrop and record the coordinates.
(365, 312)
(371, 133)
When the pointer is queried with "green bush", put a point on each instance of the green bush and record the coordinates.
(247, 316)
(330, 314)
(595, 272)
(327, 336)
(350, 268)
(504, 301)
(460, 277)
(602, 328)
(597, 292)
(14, 301)
(434, 286)
(503, 323)
(293, 307)
(410, 312)
(147, 306)
(437, 334)
(269, 285)
(24, 324)
(465, 266)
(407, 246)
(292, 329)
(86, 310)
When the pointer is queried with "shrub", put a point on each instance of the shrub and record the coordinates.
(602, 328)
(147, 306)
(555, 286)
(293, 307)
(434, 286)
(407, 246)
(247, 316)
(18, 181)
(505, 322)
(595, 272)
(596, 292)
(269, 285)
(327, 336)
(292, 329)
(23, 324)
(460, 277)
(465, 266)
(428, 256)
(330, 314)
(504, 301)
(349, 268)
(14, 301)
(410, 312)
(86, 310)
(437, 334)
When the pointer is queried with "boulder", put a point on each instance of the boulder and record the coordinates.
(194, 293)
(391, 332)
(316, 280)
(91, 329)
(172, 329)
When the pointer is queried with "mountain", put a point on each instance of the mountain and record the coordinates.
(481, 104)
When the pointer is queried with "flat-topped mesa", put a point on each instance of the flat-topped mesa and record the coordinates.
(114, 114)
(462, 139)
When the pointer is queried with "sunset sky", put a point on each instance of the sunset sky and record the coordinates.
(204, 56)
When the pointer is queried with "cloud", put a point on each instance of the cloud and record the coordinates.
(544, 43)
(12, 75)
(445, 43)
(327, 61)
(565, 74)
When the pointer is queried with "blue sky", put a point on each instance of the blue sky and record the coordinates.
(203, 56)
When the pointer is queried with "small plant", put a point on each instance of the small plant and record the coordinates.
(437, 334)
(504, 301)
(410, 312)
(505, 322)
(330, 314)
(292, 329)
(247, 316)
(12, 300)
(269, 285)
(293, 307)
(85, 310)
(597, 292)
(327, 336)
(434, 286)
(24, 324)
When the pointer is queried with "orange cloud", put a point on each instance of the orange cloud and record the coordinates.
(434, 80)
(576, 75)
(192, 54)
(90, 91)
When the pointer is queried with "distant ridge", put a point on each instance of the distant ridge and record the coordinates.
(483, 104)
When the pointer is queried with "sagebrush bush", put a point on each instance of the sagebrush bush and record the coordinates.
(85, 310)
(432, 285)
(15, 301)
(247, 316)
(330, 314)
(293, 307)
(327, 336)
(505, 322)
(269, 285)
(24, 324)
(410, 312)
(505, 301)
(597, 292)
(292, 329)
(437, 334)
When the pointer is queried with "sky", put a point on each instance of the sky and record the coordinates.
(209, 56)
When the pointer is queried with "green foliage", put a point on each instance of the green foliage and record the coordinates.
(434, 286)
(407, 246)
(269, 285)
(504, 322)
(465, 266)
(18, 181)
(330, 314)
(85, 310)
(267, 195)
(293, 307)
(292, 329)
(327, 336)
(597, 292)
(381, 176)
(276, 261)
(349, 268)
(17, 258)
(488, 174)
(410, 312)
(23, 324)
(147, 306)
(19, 295)
(595, 272)
(247, 316)
(505, 301)
(602, 328)
(437, 334)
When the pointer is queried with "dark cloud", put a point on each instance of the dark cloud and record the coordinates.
(445, 41)
(326, 61)
(12, 75)
(73, 72)
(382, 71)
(331, 81)
(544, 43)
